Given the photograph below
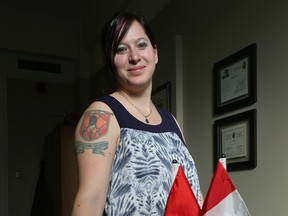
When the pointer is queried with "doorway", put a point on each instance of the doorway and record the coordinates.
(32, 103)
(34, 110)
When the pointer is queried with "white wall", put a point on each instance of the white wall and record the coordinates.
(165, 71)
(211, 31)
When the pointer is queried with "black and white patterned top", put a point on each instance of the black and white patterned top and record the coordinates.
(141, 175)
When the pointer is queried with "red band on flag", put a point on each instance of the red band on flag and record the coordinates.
(181, 200)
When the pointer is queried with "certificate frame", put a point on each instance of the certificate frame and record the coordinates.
(235, 137)
(235, 80)
(161, 96)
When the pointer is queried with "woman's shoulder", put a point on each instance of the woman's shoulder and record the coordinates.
(106, 101)
(98, 109)
(99, 105)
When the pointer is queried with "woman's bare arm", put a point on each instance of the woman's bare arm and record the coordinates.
(96, 140)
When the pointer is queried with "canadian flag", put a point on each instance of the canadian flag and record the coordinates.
(222, 198)
(181, 200)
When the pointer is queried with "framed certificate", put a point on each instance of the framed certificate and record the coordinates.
(235, 137)
(235, 81)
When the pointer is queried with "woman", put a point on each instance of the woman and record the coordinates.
(126, 145)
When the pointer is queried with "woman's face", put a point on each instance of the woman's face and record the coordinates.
(135, 59)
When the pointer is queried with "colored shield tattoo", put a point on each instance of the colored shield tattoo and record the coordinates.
(95, 124)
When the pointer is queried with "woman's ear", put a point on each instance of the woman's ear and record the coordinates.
(155, 54)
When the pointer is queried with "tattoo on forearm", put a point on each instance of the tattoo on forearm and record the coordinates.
(95, 124)
(97, 148)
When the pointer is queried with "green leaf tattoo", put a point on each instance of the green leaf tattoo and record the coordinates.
(97, 148)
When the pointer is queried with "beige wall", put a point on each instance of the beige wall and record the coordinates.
(212, 31)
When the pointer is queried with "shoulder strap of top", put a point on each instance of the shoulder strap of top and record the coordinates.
(117, 108)
(169, 123)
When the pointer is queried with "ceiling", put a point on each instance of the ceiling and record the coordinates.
(89, 12)
(73, 9)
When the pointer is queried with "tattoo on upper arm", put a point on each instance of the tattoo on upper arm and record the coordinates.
(95, 124)
(97, 148)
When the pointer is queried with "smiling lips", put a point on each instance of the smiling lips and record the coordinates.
(136, 68)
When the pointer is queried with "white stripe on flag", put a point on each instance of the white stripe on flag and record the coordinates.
(232, 205)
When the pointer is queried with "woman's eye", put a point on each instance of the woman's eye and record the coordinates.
(142, 45)
(121, 50)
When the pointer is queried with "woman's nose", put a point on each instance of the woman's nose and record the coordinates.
(134, 56)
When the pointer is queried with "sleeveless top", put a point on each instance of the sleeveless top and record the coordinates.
(141, 175)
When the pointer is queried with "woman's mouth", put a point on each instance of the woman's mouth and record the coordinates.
(135, 69)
